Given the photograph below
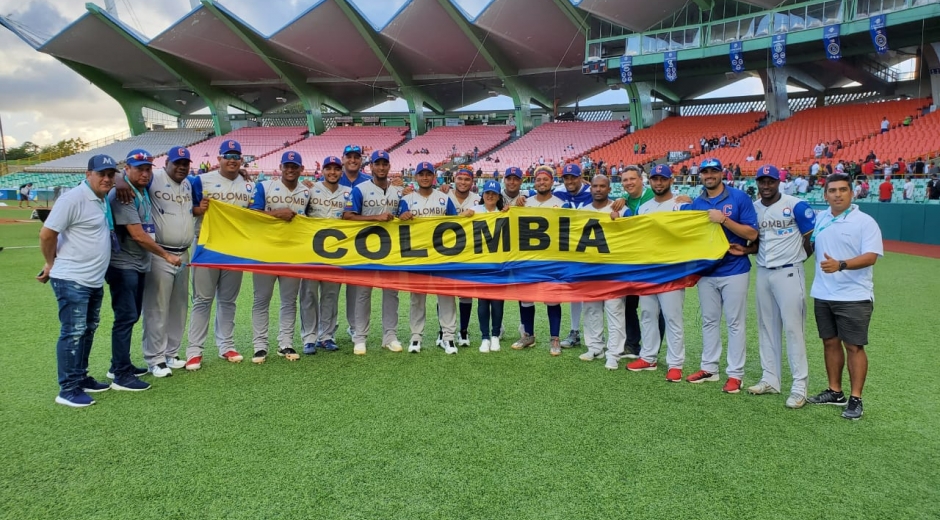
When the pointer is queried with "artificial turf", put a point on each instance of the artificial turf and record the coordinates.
(500, 435)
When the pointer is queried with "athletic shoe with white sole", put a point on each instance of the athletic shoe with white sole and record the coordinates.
(130, 384)
(463, 339)
(161, 370)
(175, 363)
(732, 386)
(310, 349)
(494, 343)
(232, 356)
(194, 363)
(288, 353)
(590, 355)
(485, 346)
(75, 399)
(795, 401)
(572, 340)
(639, 365)
(525, 341)
(854, 409)
(91, 385)
(259, 357)
(328, 345)
(701, 376)
(138, 371)
(611, 364)
(762, 387)
(440, 339)
(449, 347)
(415, 347)
(829, 396)
(359, 349)
(674, 375)
(394, 346)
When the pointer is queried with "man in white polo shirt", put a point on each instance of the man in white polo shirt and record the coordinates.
(848, 243)
(76, 242)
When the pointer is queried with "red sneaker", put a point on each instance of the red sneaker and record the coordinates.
(733, 386)
(639, 364)
(674, 375)
(701, 376)
(232, 356)
(194, 363)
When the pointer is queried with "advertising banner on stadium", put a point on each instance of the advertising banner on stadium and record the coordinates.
(879, 33)
(670, 63)
(831, 39)
(778, 49)
(736, 53)
(524, 254)
(626, 69)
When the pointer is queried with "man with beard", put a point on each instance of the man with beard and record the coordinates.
(352, 177)
(512, 181)
(319, 300)
(463, 199)
(375, 200)
(283, 198)
(577, 194)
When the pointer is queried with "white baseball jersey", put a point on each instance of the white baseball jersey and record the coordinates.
(327, 204)
(781, 227)
(511, 201)
(215, 187)
(172, 210)
(468, 203)
(553, 202)
(434, 205)
(367, 199)
(651, 206)
(273, 194)
(606, 209)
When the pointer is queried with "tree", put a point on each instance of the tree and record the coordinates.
(25, 150)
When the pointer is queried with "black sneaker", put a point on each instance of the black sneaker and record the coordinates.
(259, 357)
(854, 410)
(828, 396)
(288, 353)
(631, 351)
(573, 340)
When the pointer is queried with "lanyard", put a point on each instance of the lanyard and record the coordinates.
(105, 207)
(141, 200)
(820, 229)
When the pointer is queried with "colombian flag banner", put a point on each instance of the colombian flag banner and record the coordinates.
(527, 254)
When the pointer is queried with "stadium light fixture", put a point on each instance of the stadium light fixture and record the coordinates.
(181, 101)
(281, 99)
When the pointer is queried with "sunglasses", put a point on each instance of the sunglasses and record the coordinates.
(232, 156)
(140, 157)
(352, 149)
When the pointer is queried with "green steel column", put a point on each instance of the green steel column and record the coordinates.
(641, 104)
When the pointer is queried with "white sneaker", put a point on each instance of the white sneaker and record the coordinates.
(611, 364)
(359, 349)
(175, 362)
(449, 347)
(440, 341)
(394, 346)
(494, 344)
(485, 346)
(161, 370)
(796, 401)
(415, 347)
(590, 356)
(463, 340)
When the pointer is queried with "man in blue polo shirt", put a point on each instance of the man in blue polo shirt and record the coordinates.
(725, 287)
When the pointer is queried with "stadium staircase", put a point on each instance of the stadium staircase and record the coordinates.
(442, 141)
(317, 147)
(557, 142)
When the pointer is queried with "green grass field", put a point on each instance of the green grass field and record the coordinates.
(499, 435)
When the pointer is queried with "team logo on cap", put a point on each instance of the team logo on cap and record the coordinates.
(766, 170)
(290, 156)
(231, 145)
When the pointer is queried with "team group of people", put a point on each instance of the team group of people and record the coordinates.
(133, 227)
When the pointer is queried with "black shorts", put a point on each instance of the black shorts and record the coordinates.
(23, 197)
(847, 321)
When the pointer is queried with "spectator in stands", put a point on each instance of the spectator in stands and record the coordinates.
(885, 189)
(702, 143)
(643, 148)
(840, 167)
(636, 148)
(857, 191)
(788, 186)
(25, 190)
(933, 187)
(884, 124)
(901, 166)
(871, 156)
(541, 160)
(818, 150)
(814, 169)
(802, 185)
(919, 166)
(908, 120)
(887, 169)
(76, 265)
(759, 155)
(908, 188)
(828, 168)
(868, 168)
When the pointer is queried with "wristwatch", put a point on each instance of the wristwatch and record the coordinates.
(843, 265)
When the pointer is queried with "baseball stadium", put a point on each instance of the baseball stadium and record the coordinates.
(730, 108)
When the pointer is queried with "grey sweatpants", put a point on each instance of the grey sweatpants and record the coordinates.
(781, 310)
(670, 303)
(728, 294)
(213, 284)
(363, 315)
(446, 315)
(594, 313)
(319, 302)
(165, 305)
(261, 306)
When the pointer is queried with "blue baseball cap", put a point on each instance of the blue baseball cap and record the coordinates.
(769, 171)
(177, 153)
(513, 171)
(571, 169)
(139, 157)
(492, 186)
(424, 166)
(712, 163)
(230, 146)
(662, 170)
(101, 162)
(332, 159)
(352, 148)
(292, 157)
(379, 154)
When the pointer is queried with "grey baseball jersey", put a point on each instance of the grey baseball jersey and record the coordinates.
(594, 312)
(325, 203)
(216, 187)
(172, 210)
(781, 227)
(468, 203)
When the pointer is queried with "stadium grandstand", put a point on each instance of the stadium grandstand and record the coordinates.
(272, 92)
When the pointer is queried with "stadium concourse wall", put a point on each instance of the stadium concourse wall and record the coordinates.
(915, 223)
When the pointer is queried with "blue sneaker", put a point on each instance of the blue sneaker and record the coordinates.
(329, 345)
(138, 371)
(76, 399)
(89, 384)
(130, 384)
(311, 348)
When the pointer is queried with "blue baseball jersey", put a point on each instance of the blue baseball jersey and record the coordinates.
(434, 205)
(344, 181)
(782, 226)
(578, 200)
(737, 206)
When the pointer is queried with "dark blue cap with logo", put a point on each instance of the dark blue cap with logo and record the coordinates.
(712, 163)
(332, 159)
(662, 170)
(513, 171)
(139, 157)
(177, 153)
(101, 162)
(292, 157)
(769, 171)
(424, 166)
(571, 169)
(492, 186)
(230, 146)
(379, 154)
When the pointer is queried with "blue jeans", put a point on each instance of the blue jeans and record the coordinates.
(79, 307)
(487, 309)
(127, 294)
